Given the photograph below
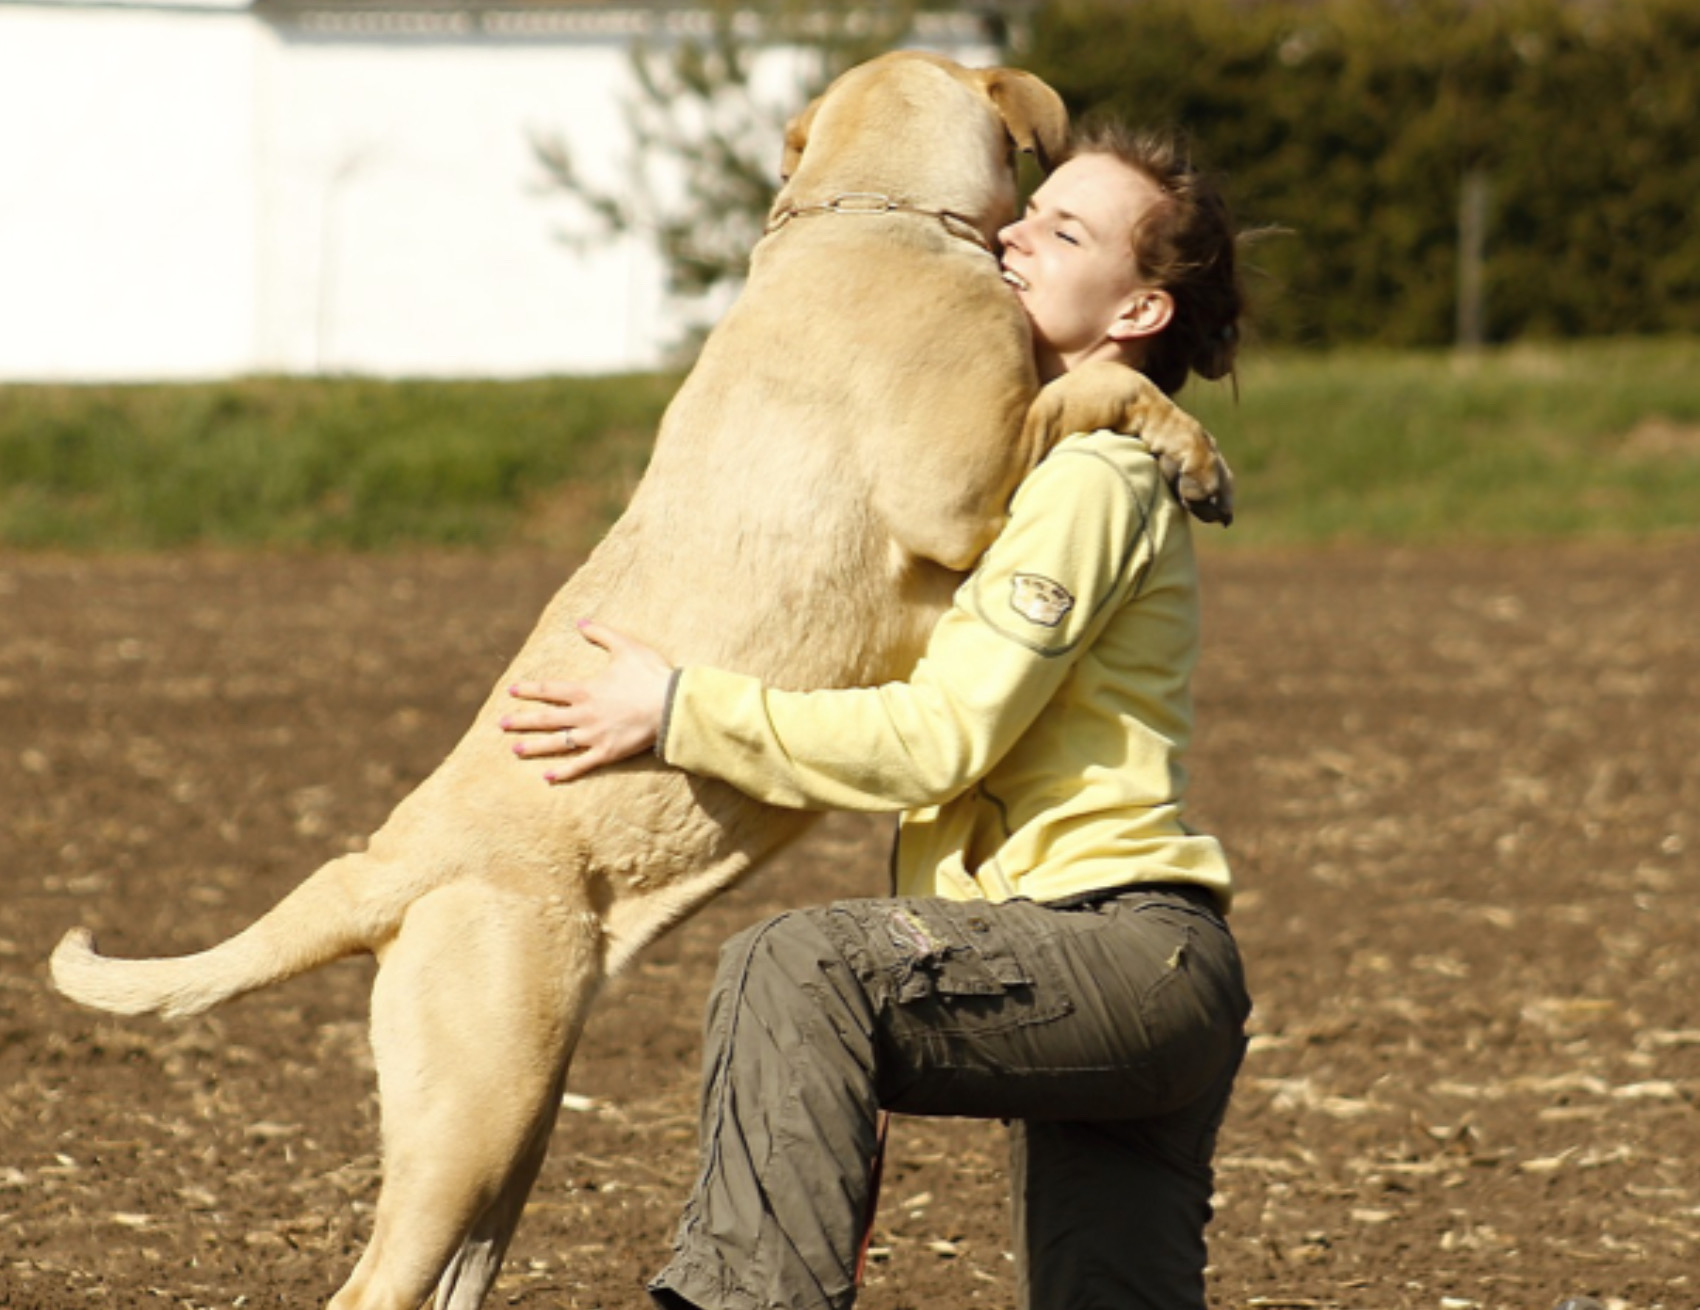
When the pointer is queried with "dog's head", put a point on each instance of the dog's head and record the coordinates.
(921, 127)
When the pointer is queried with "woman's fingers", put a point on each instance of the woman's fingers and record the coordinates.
(624, 649)
(549, 693)
(544, 720)
(543, 744)
(576, 766)
(585, 725)
(554, 727)
(542, 740)
(607, 638)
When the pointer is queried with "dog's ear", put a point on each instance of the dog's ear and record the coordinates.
(796, 139)
(1035, 115)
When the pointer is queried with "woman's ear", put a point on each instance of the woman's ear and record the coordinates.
(1145, 315)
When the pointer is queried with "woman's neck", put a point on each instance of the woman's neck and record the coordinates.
(1052, 365)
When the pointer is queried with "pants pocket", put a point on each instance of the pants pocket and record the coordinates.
(955, 968)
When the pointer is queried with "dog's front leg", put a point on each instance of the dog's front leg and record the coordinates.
(1106, 395)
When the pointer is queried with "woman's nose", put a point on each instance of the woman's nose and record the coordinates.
(1008, 236)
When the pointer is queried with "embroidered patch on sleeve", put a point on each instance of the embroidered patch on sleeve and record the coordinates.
(1039, 600)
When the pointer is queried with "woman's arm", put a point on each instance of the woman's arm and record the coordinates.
(1075, 539)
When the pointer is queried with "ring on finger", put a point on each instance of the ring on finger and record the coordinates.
(567, 742)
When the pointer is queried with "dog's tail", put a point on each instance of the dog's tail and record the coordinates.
(315, 924)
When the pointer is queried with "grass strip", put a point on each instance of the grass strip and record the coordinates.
(1554, 442)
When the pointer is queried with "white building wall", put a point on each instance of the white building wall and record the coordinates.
(188, 190)
(126, 192)
(405, 226)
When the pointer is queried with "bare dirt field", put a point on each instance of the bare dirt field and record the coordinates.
(1462, 790)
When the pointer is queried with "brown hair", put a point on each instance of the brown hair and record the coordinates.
(1184, 245)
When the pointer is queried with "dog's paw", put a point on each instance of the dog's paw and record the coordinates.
(1204, 482)
(1188, 456)
(1108, 395)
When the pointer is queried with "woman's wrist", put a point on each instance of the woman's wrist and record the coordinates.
(667, 714)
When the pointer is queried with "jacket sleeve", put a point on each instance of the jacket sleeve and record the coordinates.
(1076, 541)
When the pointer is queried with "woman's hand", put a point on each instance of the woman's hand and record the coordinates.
(613, 716)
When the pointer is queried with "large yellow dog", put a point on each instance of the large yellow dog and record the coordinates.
(845, 446)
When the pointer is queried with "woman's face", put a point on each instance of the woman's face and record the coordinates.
(1070, 260)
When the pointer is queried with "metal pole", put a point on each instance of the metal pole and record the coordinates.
(1472, 255)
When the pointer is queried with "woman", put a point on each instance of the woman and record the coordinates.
(1056, 955)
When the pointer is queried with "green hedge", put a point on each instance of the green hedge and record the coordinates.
(1352, 123)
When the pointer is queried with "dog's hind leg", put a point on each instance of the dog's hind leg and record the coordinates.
(475, 1011)
(473, 1270)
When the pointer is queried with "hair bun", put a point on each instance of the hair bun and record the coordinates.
(1215, 355)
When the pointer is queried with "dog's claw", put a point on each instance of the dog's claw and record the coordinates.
(1207, 506)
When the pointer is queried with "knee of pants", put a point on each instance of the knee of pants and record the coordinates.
(776, 965)
(762, 945)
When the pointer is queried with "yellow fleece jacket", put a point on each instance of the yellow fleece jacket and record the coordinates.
(1036, 748)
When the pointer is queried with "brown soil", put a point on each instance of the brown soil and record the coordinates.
(1463, 794)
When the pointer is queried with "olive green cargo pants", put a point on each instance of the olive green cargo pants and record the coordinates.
(1108, 1033)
